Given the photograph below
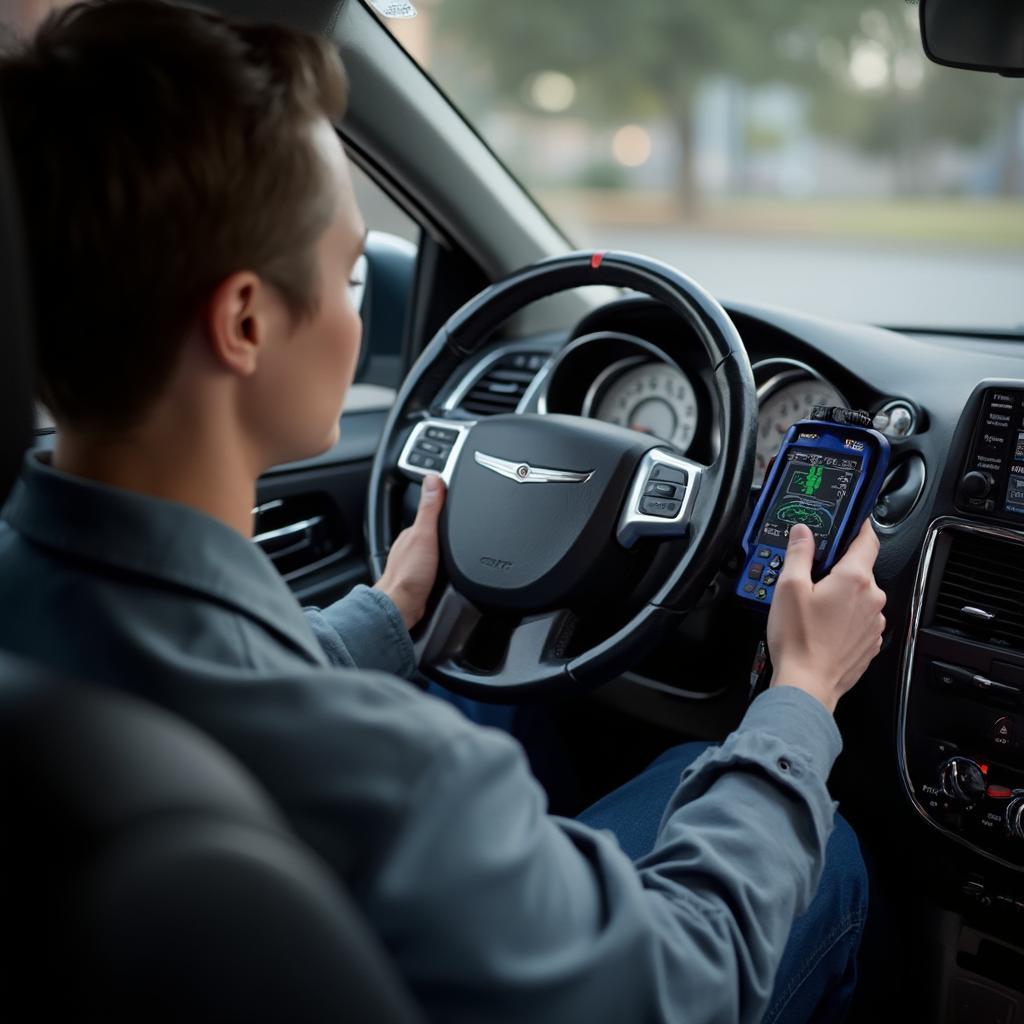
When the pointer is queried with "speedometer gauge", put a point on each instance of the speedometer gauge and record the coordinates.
(781, 409)
(654, 398)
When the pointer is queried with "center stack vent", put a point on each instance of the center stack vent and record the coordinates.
(981, 596)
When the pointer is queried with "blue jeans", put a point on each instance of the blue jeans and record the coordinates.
(818, 971)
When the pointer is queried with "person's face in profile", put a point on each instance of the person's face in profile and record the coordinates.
(307, 368)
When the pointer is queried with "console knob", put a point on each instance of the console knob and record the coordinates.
(976, 484)
(1015, 817)
(961, 779)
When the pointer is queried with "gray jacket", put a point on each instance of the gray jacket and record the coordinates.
(493, 909)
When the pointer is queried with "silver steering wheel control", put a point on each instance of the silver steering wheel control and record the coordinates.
(660, 498)
(434, 447)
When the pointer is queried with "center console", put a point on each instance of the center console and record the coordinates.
(992, 484)
(961, 726)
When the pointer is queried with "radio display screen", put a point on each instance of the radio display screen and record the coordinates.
(814, 487)
(1014, 498)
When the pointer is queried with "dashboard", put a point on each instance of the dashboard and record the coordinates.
(647, 392)
(638, 371)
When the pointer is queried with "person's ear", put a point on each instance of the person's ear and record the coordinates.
(236, 326)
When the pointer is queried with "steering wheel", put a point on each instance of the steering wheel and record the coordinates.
(569, 544)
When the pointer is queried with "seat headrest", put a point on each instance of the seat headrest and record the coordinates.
(16, 405)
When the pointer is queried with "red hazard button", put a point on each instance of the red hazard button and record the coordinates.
(998, 793)
(1002, 731)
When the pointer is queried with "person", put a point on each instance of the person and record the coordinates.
(191, 225)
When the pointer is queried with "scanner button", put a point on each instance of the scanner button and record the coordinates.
(764, 553)
(769, 579)
(776, 562)
(762, 593)
(756, 568)
(748, 588)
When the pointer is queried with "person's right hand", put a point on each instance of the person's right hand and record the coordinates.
(822, 636)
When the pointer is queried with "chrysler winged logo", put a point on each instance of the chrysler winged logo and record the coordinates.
(523, 473)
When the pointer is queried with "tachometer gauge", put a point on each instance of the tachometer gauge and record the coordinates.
(654, 398)
(781, 408)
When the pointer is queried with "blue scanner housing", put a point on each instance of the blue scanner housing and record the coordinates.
(826, 475)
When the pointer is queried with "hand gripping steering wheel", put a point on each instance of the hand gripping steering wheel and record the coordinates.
(569, 545)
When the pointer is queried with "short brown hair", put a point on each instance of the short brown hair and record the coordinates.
(158, 149)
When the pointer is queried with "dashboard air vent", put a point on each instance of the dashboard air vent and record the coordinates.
(502, 387)
(981, 595)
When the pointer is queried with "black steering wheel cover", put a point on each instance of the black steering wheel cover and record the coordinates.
(725, 489)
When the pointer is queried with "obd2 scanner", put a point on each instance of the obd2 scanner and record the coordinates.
(827, 474)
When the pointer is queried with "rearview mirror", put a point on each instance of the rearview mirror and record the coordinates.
(982, 35)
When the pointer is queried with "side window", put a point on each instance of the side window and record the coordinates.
(380, 211)
(385, 280)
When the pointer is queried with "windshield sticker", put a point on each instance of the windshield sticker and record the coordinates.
(394, 8)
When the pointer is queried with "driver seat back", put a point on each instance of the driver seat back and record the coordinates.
(143, 874)
(146, 877)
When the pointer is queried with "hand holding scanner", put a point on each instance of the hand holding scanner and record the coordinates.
(827, 474)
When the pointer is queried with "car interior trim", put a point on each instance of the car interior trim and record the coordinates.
(790, 370)
(935, 529)
(922, 484)
(655, 352)
(479, 369)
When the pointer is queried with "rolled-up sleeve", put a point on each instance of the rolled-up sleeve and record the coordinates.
(364, 630)
(546, 919)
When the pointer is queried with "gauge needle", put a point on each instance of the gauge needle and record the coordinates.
(637, 427)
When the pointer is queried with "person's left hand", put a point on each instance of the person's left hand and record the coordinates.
(412, 561)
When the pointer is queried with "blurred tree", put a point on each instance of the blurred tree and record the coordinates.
(914, 106)
(633, 60)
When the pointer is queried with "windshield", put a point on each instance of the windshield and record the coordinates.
(803, 154)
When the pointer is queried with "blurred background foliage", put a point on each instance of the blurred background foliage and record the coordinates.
(842, 74)
(793, 152)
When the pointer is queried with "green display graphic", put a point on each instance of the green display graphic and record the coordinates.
(816, 516)
(809, 482)
(814, 488)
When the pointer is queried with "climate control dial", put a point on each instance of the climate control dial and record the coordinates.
(961, 779)
(1015, 817)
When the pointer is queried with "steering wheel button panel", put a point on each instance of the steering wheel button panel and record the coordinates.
(433, 447)
(647, 513)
